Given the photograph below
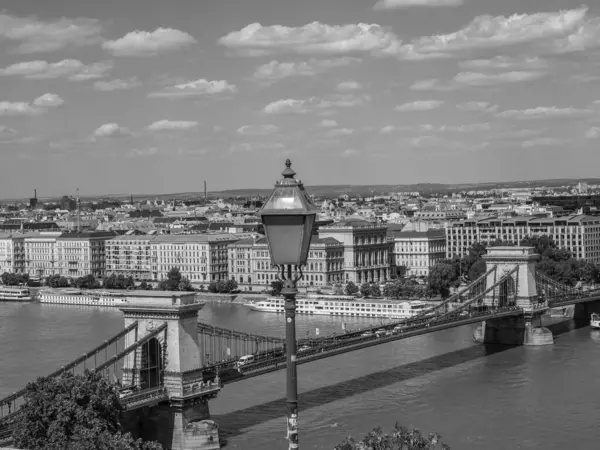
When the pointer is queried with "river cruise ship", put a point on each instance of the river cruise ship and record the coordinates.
(15, 294)
(79, 297)
(595, 321)
(338, 305)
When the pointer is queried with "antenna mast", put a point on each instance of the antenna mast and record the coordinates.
(78, 213)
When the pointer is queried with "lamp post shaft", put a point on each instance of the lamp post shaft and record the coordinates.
(292, 378)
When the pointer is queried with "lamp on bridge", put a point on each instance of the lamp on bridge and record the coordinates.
(288, 217)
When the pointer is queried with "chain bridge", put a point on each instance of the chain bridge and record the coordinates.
(170, 365)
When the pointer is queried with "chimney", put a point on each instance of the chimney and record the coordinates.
(35, 193)
(205, 191)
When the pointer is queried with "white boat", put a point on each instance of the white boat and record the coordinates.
(344, 306)
(15, 294)
(78, 297)
(595, 321)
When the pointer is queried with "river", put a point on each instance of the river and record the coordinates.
(516, 398)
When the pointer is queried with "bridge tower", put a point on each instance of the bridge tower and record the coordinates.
(167, 368)
(517, 264)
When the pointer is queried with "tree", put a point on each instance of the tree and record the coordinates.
(14, 279)
(185, 285)
(374, 290)
(351, 288)
(145, 286)
(365, 289)
(442, 276)
(401, 438)
(175, 282)
(74, 412)
(87, 282)
(56, 281)
(212, 287)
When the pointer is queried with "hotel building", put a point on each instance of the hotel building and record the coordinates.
(418, 251)
(82, 253)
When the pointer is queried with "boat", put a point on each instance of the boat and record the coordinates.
(79, 297)
(342, 305)
(595, 321)
(15, 294)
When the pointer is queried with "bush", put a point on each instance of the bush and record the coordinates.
(401, 438)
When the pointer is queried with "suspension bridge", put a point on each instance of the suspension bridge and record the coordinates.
(165, 359)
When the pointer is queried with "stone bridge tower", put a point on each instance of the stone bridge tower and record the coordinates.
(168, 366)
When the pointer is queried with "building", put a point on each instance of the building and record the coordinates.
(418, 251)
(40, 253)
(202, 258)
(366, 249)
(82, 253)
(6, 253)
(579, 234)
(250, 263)
(130, 255)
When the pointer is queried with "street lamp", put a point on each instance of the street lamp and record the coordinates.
(288, 218)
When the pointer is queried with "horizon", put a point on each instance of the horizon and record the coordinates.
(110, 100)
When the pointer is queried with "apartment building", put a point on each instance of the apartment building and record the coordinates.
(418, 251)
(130, 255)
(82, 253)
(6, 253)
(40, 257)
(250, 263)
(366, 249)
(200, 257)
(578, 233)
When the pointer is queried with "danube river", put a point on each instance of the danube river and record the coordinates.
(518, 398)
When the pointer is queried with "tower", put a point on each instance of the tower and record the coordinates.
(205, 195)
(169, 360)
(78, 213)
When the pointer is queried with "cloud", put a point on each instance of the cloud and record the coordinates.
(257, 130)
(328, 123)
(7, 132)
(275, 70)
(476, 79)
(33, 35)
(111, 130)
(505, 63)
(247, 147)
(117, 84)
(19, 109)
(348, 86)
(169, 125)
(398, 4)
(543, 112)
(144, 43)
(71, 69)
(542, 141)
(312, 38)
(432, 84)
(593, 133)
(349, 152)
(586, 36)
(48, 101)
(423, 141)
(388, 129)
(194, 89)
(339, 132)
(193, 151)
(290, 105)
(477, 106)
(420, 105)
(142, 152)
(469, 128)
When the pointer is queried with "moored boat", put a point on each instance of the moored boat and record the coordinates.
(595, 321)
(15, 294)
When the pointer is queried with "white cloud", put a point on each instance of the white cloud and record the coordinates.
(117, 84)
(420, 105)
(388, 129)
(486, 79)
(348, 86)
(275, 70)
(290, 105)
(48, 101)
(141, 152)
(257, 130)
(68, 68)
(33, 35)
(195, 88)
(339, 132)
(111, 130)
(469, 128)
(505, 63)
(593, 133)
(432, 84)
(314, 37)
(7, 132)
(19, 109)
(165, 125)
(397, 4)
(144, 43)
(477, 106)
(328, 123)
(542, 141)
(193, 151)
(247, 147)
(423, 141)
(349, 152)
(543, 112)
(586, 36)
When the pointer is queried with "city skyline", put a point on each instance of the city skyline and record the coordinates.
(354, 92)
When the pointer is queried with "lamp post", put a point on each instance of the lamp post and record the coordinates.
(288, 217)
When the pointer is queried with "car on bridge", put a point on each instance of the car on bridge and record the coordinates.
(304, 348)
(380, 333)
(368, 333)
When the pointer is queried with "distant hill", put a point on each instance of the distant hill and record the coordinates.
(334, 190)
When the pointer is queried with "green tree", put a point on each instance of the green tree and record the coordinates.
(401, 438)
(351, 288)
(145, 286)
(174, 281)
(442, 277)
(185, 285)
(374, 290)
(365, 289)
(74, 412)
(276, 287)
(212, 287)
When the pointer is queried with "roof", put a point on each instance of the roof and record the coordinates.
(429, 234)
(133, 237)
(195, 238)
(88, 235)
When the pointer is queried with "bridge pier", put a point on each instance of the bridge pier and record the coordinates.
(584, 310)
(170, 399)
(514, 330)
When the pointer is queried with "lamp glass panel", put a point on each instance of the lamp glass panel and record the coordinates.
(285, 236)
(284, 198)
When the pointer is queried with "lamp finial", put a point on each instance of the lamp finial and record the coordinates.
(288, 172)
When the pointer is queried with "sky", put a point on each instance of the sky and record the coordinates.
(150, 96)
